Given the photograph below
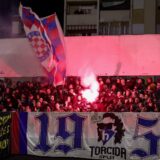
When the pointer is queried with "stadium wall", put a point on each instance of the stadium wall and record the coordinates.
(104, 55)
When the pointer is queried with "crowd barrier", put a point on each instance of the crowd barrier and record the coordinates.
(89, 135)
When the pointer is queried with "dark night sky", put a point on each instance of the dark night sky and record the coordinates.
(46, 7)
(41, 7)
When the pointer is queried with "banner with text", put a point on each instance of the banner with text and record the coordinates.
(111, 136)
(5, 124)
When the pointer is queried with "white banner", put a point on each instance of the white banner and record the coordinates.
(105, 55)
(111, 136)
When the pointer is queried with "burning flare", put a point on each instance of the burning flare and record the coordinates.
(92, 92)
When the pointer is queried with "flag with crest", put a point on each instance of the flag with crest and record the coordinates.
(46, 38)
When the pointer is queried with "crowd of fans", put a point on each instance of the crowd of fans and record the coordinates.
(116, 94)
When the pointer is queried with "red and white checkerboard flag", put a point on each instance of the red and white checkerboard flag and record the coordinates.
(44, 45)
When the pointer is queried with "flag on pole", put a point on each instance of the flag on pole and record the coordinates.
(55, 34)
(46, 38)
